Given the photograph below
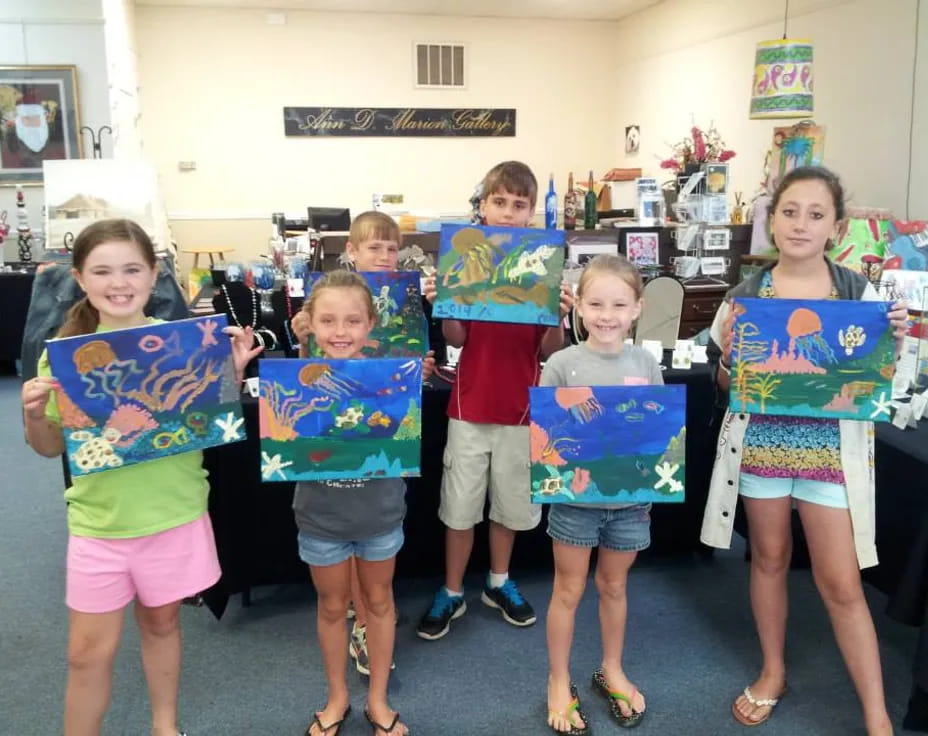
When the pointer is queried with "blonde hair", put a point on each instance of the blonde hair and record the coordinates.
(83, 318)
(373, 225)
(615, 266)
(513, 177)
(341, 280)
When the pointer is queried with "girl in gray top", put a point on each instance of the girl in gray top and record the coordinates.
(608, 301)
(341, 519)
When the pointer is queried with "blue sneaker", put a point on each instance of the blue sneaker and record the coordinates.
(445, 608)
(507, 598)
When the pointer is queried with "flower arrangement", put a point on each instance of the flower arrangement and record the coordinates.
(699, 148)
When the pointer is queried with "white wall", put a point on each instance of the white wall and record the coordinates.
(214, 84)
(122, 73)
(918, 197)
(683, 58)
(34, 32)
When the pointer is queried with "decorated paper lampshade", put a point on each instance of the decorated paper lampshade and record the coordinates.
(782, 79)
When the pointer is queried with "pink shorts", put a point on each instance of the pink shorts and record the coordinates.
(106, 574)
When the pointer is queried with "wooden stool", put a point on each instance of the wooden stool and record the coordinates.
(208, 250)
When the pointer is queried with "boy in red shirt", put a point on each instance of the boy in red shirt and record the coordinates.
(488, 442)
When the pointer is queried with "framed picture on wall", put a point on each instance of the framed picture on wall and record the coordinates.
(39, 120)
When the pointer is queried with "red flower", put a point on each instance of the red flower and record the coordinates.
(671, 163)
(699, 144)
(725, 155)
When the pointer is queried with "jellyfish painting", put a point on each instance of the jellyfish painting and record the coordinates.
(805, 337)
(130, 387)
(580, 402)
(321, 377)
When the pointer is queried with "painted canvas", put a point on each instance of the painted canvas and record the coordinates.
(146, 392)
(336, 419)
(798, 145)
(608, 444)
(861, 245)
(499, 274)
(908, 246)
(401, 328)
(812, 358)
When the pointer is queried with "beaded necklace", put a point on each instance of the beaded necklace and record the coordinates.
(254, 307)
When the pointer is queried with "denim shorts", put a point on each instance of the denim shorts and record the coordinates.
(812, 491)
(626, 529)
(320, 552)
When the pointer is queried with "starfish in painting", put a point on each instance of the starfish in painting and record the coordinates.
(665, 472)
(273, 465)
(880, 405)
(208, 327)
(229, 426)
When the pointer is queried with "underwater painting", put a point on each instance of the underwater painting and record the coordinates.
(499, 274)
(908, 246)
(401, 328)
(146, 392)
(608, 444)
(812, 358)
(336, 419)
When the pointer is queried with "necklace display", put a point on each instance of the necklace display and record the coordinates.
(264, 337)
(254, 307)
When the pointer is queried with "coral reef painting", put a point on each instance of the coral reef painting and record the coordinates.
(336, 419)
(608, 444)
(146, 392)
(812, 358)
(400, 328)
(499, 274)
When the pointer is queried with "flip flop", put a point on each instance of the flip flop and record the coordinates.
(324, 730)
(567, 713)
(757, 703)
(614, 697)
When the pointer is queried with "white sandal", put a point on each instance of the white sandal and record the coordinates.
(757, 703)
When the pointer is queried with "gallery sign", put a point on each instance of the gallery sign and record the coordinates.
(399, 121)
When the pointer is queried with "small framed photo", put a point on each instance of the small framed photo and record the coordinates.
(642, 249)
(581, 252)
(716, 178)
(716, 239)
(632, 138)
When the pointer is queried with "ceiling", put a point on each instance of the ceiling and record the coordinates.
(606, 10)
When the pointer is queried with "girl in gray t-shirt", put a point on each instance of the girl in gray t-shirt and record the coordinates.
(338, 520)
(608, 302)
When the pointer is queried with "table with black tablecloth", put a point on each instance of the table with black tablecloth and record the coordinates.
(256, 534)
(902, 544)
(15, 292)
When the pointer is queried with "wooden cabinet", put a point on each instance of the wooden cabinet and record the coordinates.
(700, 303)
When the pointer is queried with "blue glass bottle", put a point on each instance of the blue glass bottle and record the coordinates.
(551, 205)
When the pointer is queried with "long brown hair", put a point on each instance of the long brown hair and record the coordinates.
(83, 318)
